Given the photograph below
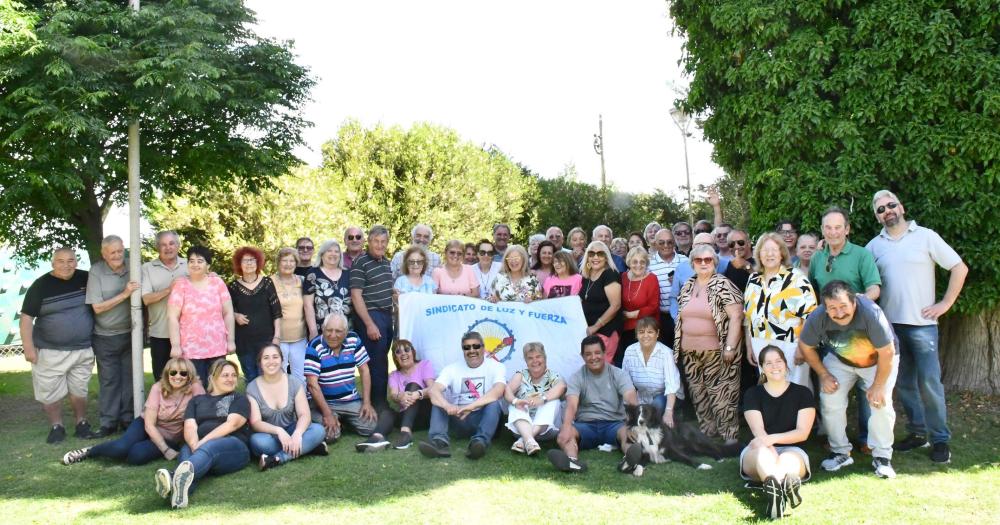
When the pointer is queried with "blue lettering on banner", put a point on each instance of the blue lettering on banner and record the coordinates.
(452, 308)
(448, 308)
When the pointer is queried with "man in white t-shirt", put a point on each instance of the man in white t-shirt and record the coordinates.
(465, 397)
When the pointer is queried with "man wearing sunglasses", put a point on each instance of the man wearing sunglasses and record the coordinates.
(842, 260)
(663, 265)
(907, 256)
(354, 245)
(466, 397)
(739, 267)
(420, 235)
(305, 248)
(683, 235)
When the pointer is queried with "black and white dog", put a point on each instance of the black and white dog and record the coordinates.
(654, 442)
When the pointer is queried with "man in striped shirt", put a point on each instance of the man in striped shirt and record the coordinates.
(663, 265)
(330, 364)
(371, 298)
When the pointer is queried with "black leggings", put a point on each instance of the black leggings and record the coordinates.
(418, 412)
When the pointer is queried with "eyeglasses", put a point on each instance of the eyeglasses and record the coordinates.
(305, 248)
(829, 263)
(402, 350)
(473, 346)
(415, 262)
(248, 261)
(682, 233)
(881, 209)
(182, 373)
(664, 243)
(455, 252)
(737, 242)
(486, 252)
(357, 237)
(787, 232)
(596, 254)
(703, 260)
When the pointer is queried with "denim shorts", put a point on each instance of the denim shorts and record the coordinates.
(596, 433)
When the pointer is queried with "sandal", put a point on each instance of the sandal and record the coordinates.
(518, 446)
(532, 448)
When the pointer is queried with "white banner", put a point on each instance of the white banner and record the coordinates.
(435, 324)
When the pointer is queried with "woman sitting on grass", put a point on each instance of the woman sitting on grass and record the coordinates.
(408, 389)
(216, 433)
(533, 394)
(279, 414)
(780, 415)
(159, 432)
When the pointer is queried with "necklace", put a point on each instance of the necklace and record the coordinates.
(632, 295)
(245, 281)
(455, 278)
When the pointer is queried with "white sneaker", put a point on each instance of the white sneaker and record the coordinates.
(835, 462)
(181, 484)
(162, 478)
(883, 468)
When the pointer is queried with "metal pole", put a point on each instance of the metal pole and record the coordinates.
(600, 131)
(687, 173)
(135, 258)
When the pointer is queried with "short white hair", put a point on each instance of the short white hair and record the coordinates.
(611, 232)
(111, 239)
(430, 232)
(880, 194)
(333, 316)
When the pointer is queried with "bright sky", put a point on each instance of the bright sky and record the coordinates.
(528, 76)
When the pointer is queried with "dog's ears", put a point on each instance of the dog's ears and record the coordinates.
(631, 411)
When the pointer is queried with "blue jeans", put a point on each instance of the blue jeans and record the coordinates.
(481, 424)
(219, 456)
(596, 433)
(201, 367)
(378, 353)
(263, 443)
(919, 384)
(133, 446)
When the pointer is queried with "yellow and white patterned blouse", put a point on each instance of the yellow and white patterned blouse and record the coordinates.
(778, 310)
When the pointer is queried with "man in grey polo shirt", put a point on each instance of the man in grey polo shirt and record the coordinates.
(56, 326)
(109, 286)
(157, 281)
(906, 255)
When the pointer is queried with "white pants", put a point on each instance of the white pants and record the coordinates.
(798, 374)
(834, 407)
(545, 415)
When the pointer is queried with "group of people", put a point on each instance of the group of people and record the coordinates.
(696, 313)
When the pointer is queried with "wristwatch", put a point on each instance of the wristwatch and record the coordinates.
(729, 348)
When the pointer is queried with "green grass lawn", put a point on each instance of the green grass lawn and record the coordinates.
(403, 487)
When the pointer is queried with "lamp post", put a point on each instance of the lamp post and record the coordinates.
(682, 120)
(134, 254)
(599, 146)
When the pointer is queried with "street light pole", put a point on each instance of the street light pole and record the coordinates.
(599, 147)
(135, 256)
(682, 120)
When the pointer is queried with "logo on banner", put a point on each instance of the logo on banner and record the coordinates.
(497, 338)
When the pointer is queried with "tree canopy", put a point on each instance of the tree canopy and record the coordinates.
(810, 104)
(216, 103)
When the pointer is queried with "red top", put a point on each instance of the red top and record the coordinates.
(643, 295)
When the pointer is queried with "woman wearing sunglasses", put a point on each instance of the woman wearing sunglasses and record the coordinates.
(159, 432)
(601, 295)
(486, 269)
(408, 393)
(454, 277)
(710, 313)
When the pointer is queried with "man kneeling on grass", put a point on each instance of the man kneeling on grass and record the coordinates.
(475, 387)
(595, 407)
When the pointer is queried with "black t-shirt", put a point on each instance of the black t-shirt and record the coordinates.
(780, 414)
(739, 276)
(595, 301)
(63, 319)
(211, 411)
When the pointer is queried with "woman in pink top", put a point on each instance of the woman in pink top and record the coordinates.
(409, 385)
(159, 432)
(565, 280)
(200, 311)
(454, 277)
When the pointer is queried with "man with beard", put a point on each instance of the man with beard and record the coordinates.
(906, 255)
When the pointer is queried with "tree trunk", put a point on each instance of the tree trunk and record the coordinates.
(970, 352)
(92, 228)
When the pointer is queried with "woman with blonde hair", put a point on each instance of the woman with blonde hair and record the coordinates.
(158, 433)
(640, 297)
(533, 394)
(601, 295)
(454, 277)
(577, 244)
(216, 436)
(515, 282)
(295, 316)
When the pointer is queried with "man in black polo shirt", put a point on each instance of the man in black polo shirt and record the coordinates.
(371, 298)
(56, 326)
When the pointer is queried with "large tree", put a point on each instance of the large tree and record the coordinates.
(810, 104)
(216, 104)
